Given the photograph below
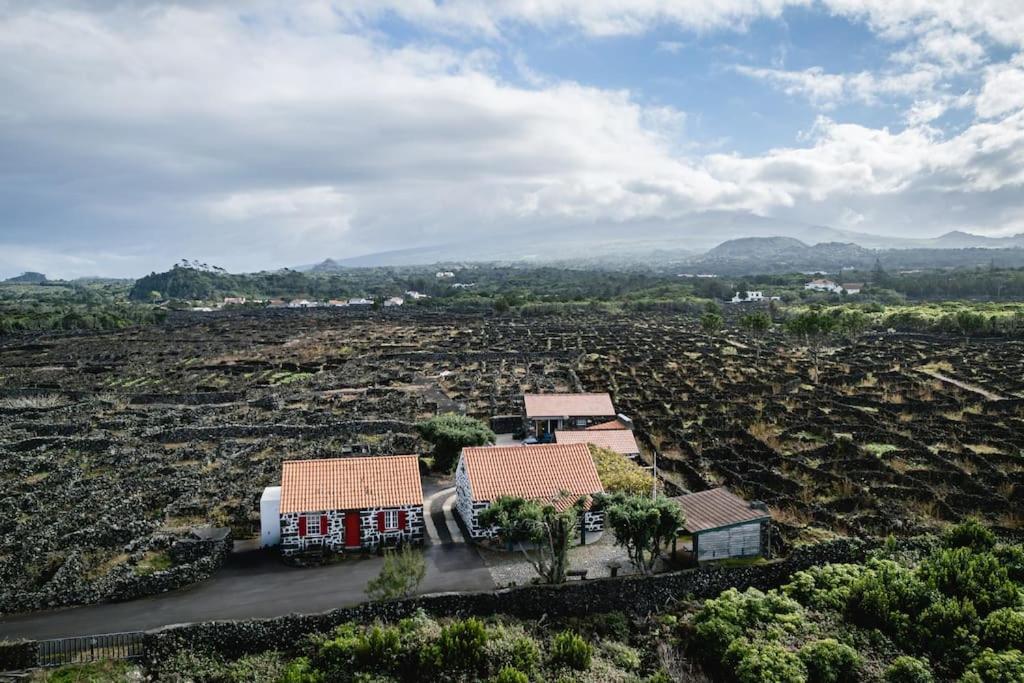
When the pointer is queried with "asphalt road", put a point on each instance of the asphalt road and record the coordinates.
(252, 585)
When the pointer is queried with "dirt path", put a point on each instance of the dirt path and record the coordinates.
(973, 388)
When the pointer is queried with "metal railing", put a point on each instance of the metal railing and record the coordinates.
(85, 649)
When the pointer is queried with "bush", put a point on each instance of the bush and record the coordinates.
(908, 670)
(379, 649)
(511, 647)
(824, 587)
(764, 662)
(727, 617)
(402, 572)
(569, 649)
(970, 534)
(1012, 559)
(510, 675)
(450, 433)
(461, 646)
(885, 597)
(969, 575)
(948, 630)
(829, 661)
(1004, 629)
(300, 671)
(622, 655)
(996, 667)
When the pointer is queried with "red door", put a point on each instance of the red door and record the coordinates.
(352, 536)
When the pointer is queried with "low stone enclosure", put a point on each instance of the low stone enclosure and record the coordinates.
(634, 594)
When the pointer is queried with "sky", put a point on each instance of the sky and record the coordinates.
(257, 135)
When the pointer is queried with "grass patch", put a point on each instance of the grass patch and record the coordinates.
(94, 672)
(153, 562)
(880, 449)
(279, 378)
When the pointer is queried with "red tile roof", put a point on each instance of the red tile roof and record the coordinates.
(539, 472)
(611, 424)
(715, 509)
(350, 483)
(618, 440)
(567, 405)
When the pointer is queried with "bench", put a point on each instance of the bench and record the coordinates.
(580, 574)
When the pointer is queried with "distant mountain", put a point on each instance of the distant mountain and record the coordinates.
(958, 239)
(28, 278)
(782, 251)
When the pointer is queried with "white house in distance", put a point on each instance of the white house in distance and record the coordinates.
(559, 474)
(394, 301)
(545, 413)
(444, 275)
(722, 525)
(853, 287)
(345, 504)
(819, 285)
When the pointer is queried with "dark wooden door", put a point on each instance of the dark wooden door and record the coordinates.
(352, 536)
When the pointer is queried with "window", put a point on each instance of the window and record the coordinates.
(390, 519)
(581, 422)
(313, 525)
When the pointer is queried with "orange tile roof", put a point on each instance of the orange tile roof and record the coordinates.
(350, 483)
(611, 424)
(565, 405)
(618, 440)
(716, 508)
(539, 472)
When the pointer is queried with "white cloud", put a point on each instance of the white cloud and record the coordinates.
(297, 133)
(1003, 90)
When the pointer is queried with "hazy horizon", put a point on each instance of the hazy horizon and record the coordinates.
(133, 135)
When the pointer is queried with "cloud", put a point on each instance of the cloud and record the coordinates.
(290, 133)
(1003, 90)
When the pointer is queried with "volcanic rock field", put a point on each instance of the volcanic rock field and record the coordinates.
(113, 446)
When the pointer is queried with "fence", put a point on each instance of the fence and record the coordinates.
(61, 651)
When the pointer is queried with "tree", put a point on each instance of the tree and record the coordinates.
(813, 327)
(450, 433)
(852, 323)
(619, 473)
(756, 324)
(402, 572)
(642, 525)
(711, 323)
(542, 532)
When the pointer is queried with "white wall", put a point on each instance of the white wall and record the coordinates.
(270, 517)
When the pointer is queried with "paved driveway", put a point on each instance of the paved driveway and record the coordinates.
(253, 585)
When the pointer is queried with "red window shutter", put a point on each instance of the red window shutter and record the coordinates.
(401, 519)
(302, 526)
(323, 525)
(380, 521)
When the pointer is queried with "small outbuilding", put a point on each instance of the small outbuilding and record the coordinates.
(544, 413)
(550, 473)
(270, 517)
(722, 525)
(358, 503)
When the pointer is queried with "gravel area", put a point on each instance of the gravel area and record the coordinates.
(511, 568)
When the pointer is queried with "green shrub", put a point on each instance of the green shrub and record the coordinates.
(996, 667)
(379, 649)
(266, 666)
(969, 534)
(966, 574)
(727, 617)
(1004, 629)
(569, 649)
(764, 662)
(461, 646)
(885, 597)
(824, 587)
(829, 661)
(300, 671)
(510, 675)
(622, 655)
(908, 670)
(948, 630)
(1012, 559)
(512, 647)
(336, 656)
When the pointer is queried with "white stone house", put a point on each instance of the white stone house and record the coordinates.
(853, 287)
(722, 525)
(751, 297)
(344, 504)
(559, 474)
(823, 286)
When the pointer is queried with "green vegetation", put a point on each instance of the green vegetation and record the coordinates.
(71, 306)
(402, 572)
(642, 525)
(619, 474)
(450, 433)
(542, 532)
(955, 605)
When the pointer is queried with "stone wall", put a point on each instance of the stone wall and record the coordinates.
(334, 539)
(637, 595)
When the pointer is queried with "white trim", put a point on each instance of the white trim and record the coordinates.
(391, 519)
